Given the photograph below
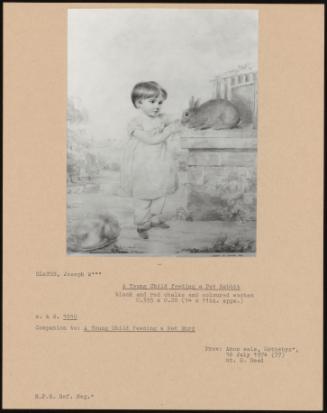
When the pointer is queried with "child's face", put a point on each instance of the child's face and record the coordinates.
(151, 106)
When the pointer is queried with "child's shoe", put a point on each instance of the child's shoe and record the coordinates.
(143, 233)
(160, 225)
(142, 230)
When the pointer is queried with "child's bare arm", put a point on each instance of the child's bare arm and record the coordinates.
(148, 137)
(154, 138)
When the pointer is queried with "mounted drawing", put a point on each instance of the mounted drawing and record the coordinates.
(149, 170)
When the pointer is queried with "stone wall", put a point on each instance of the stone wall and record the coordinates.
(221, 174)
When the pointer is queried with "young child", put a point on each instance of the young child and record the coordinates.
(148, 172)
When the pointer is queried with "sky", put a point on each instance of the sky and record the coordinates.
(110, 50)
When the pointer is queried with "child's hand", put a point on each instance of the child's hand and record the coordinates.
(173, 127)
(159, 129)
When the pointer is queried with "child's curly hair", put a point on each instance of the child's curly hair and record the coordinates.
(146, 90)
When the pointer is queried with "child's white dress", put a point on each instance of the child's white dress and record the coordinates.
(148, 171)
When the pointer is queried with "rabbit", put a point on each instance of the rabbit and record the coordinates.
(212, 114)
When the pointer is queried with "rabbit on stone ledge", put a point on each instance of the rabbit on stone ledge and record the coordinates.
(212, 114)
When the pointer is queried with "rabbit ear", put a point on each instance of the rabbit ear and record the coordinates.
(197, 103)
(191, 102)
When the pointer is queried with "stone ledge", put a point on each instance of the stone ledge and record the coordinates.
(218, 158)
(238, 138)
(245, 132)
(218, 143)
